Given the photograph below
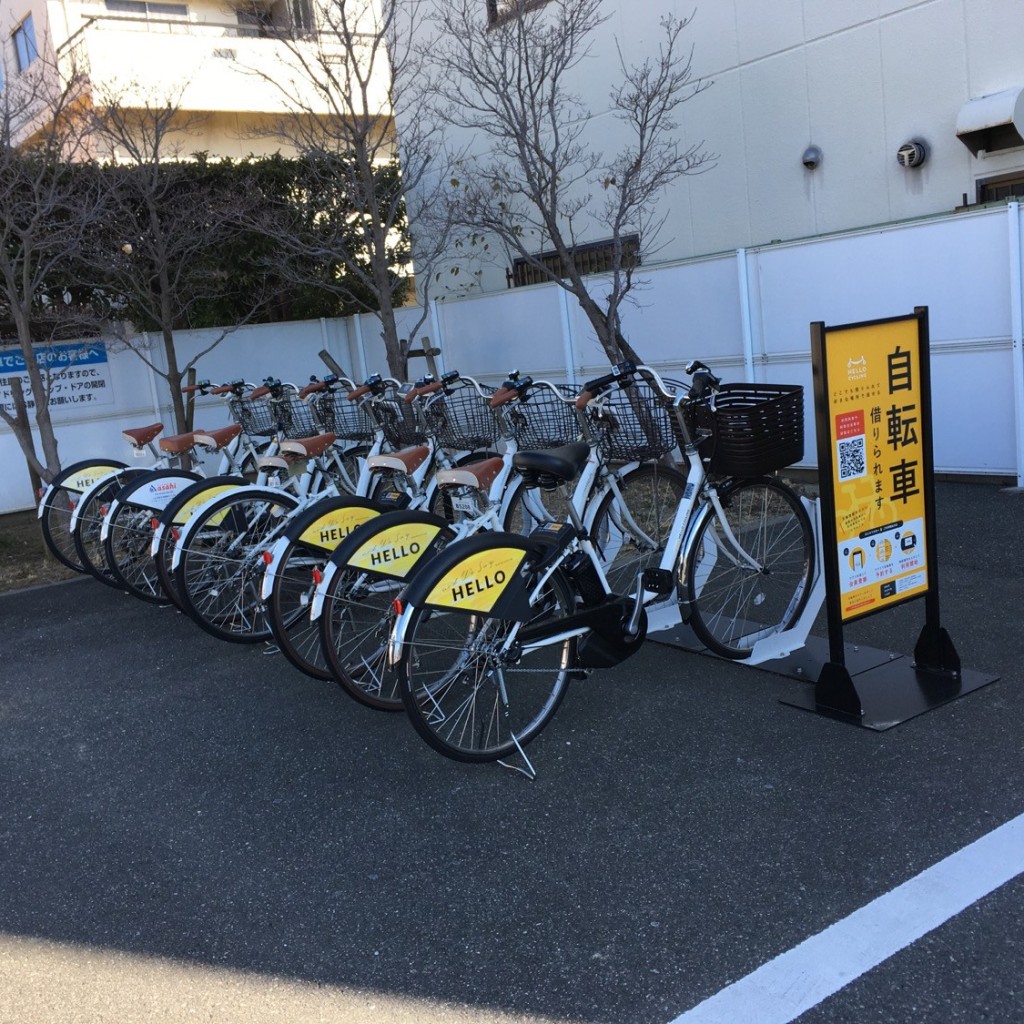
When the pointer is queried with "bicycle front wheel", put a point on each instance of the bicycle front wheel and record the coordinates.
(471, 695)
(633, 521)
(749, 577)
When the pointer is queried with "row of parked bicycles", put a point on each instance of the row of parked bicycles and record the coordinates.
(458, 550)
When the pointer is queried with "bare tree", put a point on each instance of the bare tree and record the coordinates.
(355, 63)
(155, 254)
(47, 203)
(540, 181)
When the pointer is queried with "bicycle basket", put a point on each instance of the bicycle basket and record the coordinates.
(398, 421)
(336, 414)
(254, 416)
(755, 428)
(635, 422)
(544, 420)
(461, 420)
(294, 415)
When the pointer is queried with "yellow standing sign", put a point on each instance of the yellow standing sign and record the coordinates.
(877, 433)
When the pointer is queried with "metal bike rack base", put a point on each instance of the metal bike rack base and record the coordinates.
(888, 686)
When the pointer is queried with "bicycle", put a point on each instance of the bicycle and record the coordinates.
(490, 633)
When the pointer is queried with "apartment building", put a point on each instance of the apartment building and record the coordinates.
(822, 115)
(237, 66)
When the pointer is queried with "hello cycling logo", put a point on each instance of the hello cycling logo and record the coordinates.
(857, 369)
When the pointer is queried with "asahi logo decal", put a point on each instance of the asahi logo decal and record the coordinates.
(396, 551)
(477, 582)
(332, 528)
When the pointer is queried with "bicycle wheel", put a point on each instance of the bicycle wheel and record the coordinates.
(173, 518)
(733, 604)
(466, 698)
(58, 505)
(354, 627)
(220, 562)
(630, 528)
(531, 507)
(127, 548)
(87, 523)
(299, 561)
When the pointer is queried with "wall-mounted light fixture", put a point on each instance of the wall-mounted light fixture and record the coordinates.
(811, 158)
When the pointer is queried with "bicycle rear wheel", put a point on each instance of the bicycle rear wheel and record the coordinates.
(220, 562)
(88, 524)
(734, 604)
(127, 551)
(469, 700)
(59, 503)
(354, 628)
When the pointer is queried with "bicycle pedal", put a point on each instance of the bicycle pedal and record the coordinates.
(659, 581)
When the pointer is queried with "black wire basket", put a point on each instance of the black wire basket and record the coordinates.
(543, 419)
(635, 422)
(397, 418)
(293, 415)
(461, 420)
(337, 415)
(754, 428)
(254, 416)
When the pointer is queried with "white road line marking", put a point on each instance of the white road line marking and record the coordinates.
(782, 989)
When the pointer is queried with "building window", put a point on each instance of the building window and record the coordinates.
(144, 9)
(25, 43)
(502, 10)
(1005, 187)
(592, 258)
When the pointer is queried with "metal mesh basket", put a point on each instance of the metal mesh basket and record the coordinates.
(254, 416)
(294, 415)
(755, 428)
(461, 419)
(543, 420)
(336, 414)
(635, 422)
(398, 420)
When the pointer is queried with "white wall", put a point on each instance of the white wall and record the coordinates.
(747, 314)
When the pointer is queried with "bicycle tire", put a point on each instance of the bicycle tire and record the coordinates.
(220, 562)
(354, 627)
(449, 678)
(356, 612)
(731, 605)
(59, 501)
(632, 539)
(174, 517)
(88, 523)
(128, 529)
(295, 577)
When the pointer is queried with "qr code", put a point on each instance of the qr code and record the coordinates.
(852, 458)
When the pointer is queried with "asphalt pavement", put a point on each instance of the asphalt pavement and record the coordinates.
(192, 830)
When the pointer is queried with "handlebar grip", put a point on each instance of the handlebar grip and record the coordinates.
(189, 389)
(426, 389)
(502, 397)
(224, 389)
(311, 387)
(259, 392)
(584, 397)
(363, 389)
